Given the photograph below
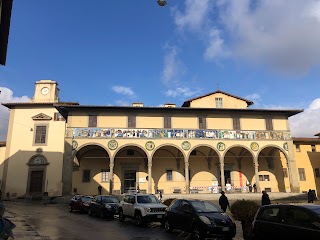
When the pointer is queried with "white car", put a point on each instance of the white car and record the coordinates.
(142, 208)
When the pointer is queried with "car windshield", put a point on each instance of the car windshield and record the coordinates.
(110, 200)
(86, 199)
(203, 206)
(147, 199)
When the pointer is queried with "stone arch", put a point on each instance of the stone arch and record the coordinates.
(272, 160)
(169, 145)
(90, 144)
(129, 145)
(203, 145)
(241, 146)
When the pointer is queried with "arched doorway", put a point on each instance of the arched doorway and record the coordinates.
(168, 170)
(91, 170)
(204, 170)
(130, 170)
(36, 184)
(239, 170)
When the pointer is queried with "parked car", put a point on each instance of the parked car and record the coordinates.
(80, 203)
(202, 219)
(142, 207)
(287, 221)
(104, 206)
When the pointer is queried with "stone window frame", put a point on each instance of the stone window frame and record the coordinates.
(35, 134)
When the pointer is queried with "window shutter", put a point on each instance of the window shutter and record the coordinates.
(167, 122)
(269, 126)
(92, 121)
(236, 123)
(202, 123)
(131, 121)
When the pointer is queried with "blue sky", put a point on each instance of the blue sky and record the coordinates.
(119, 52)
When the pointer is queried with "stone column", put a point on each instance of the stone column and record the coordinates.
(149, 175)
(111, 166)
(222, 180)
(67, 170)
(292, 169)
(256, 172)
(186, 173)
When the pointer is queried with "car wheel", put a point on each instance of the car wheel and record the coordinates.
(167, 226)
(196, 233)
(122, 217)
(89, 212)
(138, 219)
(70, 209)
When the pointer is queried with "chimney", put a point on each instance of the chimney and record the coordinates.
(170, 105)
(137, 104)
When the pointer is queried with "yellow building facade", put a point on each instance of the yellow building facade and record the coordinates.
(211, 142)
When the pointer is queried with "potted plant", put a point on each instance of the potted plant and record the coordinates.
(244, 211)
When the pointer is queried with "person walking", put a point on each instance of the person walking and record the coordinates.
(223, 202)
(254, 188)
(311, 196)
(99, 190)
(265, 200)
(6, 224)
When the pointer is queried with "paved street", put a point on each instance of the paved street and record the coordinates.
(35, 222)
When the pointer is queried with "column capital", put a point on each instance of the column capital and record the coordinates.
(111, 165)
(221, 164)
(186, 164)
(256, 165)
(149, 164)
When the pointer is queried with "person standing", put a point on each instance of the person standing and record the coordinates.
(254, 188)
(99, 190)
(265, 200)
(223, 202)
(311, 196)
(6, 224)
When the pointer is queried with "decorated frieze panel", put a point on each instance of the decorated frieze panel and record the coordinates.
(175, 134)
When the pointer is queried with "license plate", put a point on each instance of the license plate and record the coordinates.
(225, 229)
(159, 216)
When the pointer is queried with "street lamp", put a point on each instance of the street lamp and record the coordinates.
(162, 3)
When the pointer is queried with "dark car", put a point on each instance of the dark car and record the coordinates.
(287, 221)
(104, 206)
(80, 203)
(202, 218)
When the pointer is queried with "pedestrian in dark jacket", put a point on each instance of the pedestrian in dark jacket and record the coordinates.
(265, 199)
(6, 225)
(311, 196)
(223, 202)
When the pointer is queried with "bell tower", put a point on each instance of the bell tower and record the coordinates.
(46, 91)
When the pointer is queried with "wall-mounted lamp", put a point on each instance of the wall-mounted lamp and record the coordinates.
(31, 129)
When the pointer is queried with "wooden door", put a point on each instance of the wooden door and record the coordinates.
(36, 182)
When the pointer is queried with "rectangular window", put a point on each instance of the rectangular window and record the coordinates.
(86, 176)
(41, 135)
(219, 103)
(92, 121)
(285, 172)
(105, 175)
(167, 122)
(131, 121)
(269, 125)
(302, 174)
(317, 172)
(264, 178)
(58, 117)
(236, 123)
(202, 123)
(169, 175)
(298, 148)
(313, 148)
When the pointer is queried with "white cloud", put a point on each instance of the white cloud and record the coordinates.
(306, 124)
(123, 90)
(6, 96)
(182, 92)
(253, 97)
(173, 66)
(123, 103)
(281, 34)
(195, 14)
